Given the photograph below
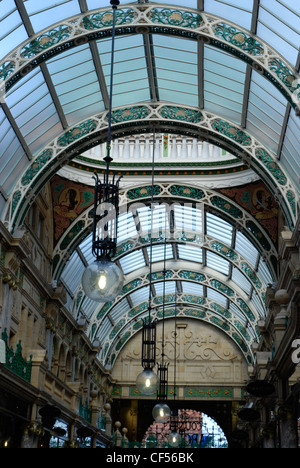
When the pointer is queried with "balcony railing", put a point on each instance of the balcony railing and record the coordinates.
(15, 361)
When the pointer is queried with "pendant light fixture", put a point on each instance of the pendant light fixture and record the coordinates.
(147, 381)
(174, 439)
(103, 280)
(161, 411)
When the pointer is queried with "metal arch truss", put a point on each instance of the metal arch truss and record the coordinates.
(139, 118)
(187, 305)
(199, 197)
(155, 19)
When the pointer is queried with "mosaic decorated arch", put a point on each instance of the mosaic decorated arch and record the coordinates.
(157, 19)
(238, 206)
(88, 134)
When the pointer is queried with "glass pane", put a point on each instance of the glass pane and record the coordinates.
(132, 261)
(291, 150)
(244, 247)
(216, 296)
(224, 84)
(33, 109)
(73, 272)
(76, 83)
(13, 161)
(266, 111)
(119, 310)
(140, 295)
(187, 252)
(130, 83)
(218, 228)
(169, 288)
(177, 70)
(192, 288)
(158, 252)
(240, 279)
(279, 26)
(216, 262)
(188, 218)
(233, 10)
(43, 14)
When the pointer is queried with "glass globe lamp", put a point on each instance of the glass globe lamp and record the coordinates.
(174, 439)
(147, 382)
(102, 281)
(161, 412)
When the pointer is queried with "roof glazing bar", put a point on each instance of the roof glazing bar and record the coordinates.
(16, 130)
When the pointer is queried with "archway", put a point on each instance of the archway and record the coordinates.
(196, 429)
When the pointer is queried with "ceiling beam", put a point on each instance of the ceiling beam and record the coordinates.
(286, 118)
(100, 73)
(48, 80)
(17, 130)
(151, 67)
(249, 70)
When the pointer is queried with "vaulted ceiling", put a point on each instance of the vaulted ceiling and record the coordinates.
(203, 71)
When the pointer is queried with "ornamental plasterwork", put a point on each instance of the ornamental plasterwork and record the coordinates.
(209, 313)
(59, 152)
(156, 18)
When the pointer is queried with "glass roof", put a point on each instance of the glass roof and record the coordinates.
(64, 85)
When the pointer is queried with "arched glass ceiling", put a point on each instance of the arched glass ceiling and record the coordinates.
(74, 84)
(51, 84)
(223, 270)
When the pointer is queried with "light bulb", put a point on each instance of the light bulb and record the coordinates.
(161, 412)
(174, 439)
(147, 382)
(102, 281)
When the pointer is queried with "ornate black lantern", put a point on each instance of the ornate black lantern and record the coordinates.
(103, 280)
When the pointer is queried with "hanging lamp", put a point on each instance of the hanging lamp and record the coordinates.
(103, 280)
(174, 439)
(147, 381)
(161, 411)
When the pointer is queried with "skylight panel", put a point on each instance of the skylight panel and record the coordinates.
(168, 288)
(141, 295)
(105, 329)
(157, 219)
(191, 253)
(188, 218)
(219, 228)
(13, 161)
(240, 279)
(264, 272)
(233, 10)
(132, 262)
(278, 25)
(217, 262)
(238, 313)
(119, 310)
(158, 252)
(258, 304)
(73, 272)
(216, 296)
(126, 226)
(188, 287)
(12, 31)
(48, 12)
(244, 247)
